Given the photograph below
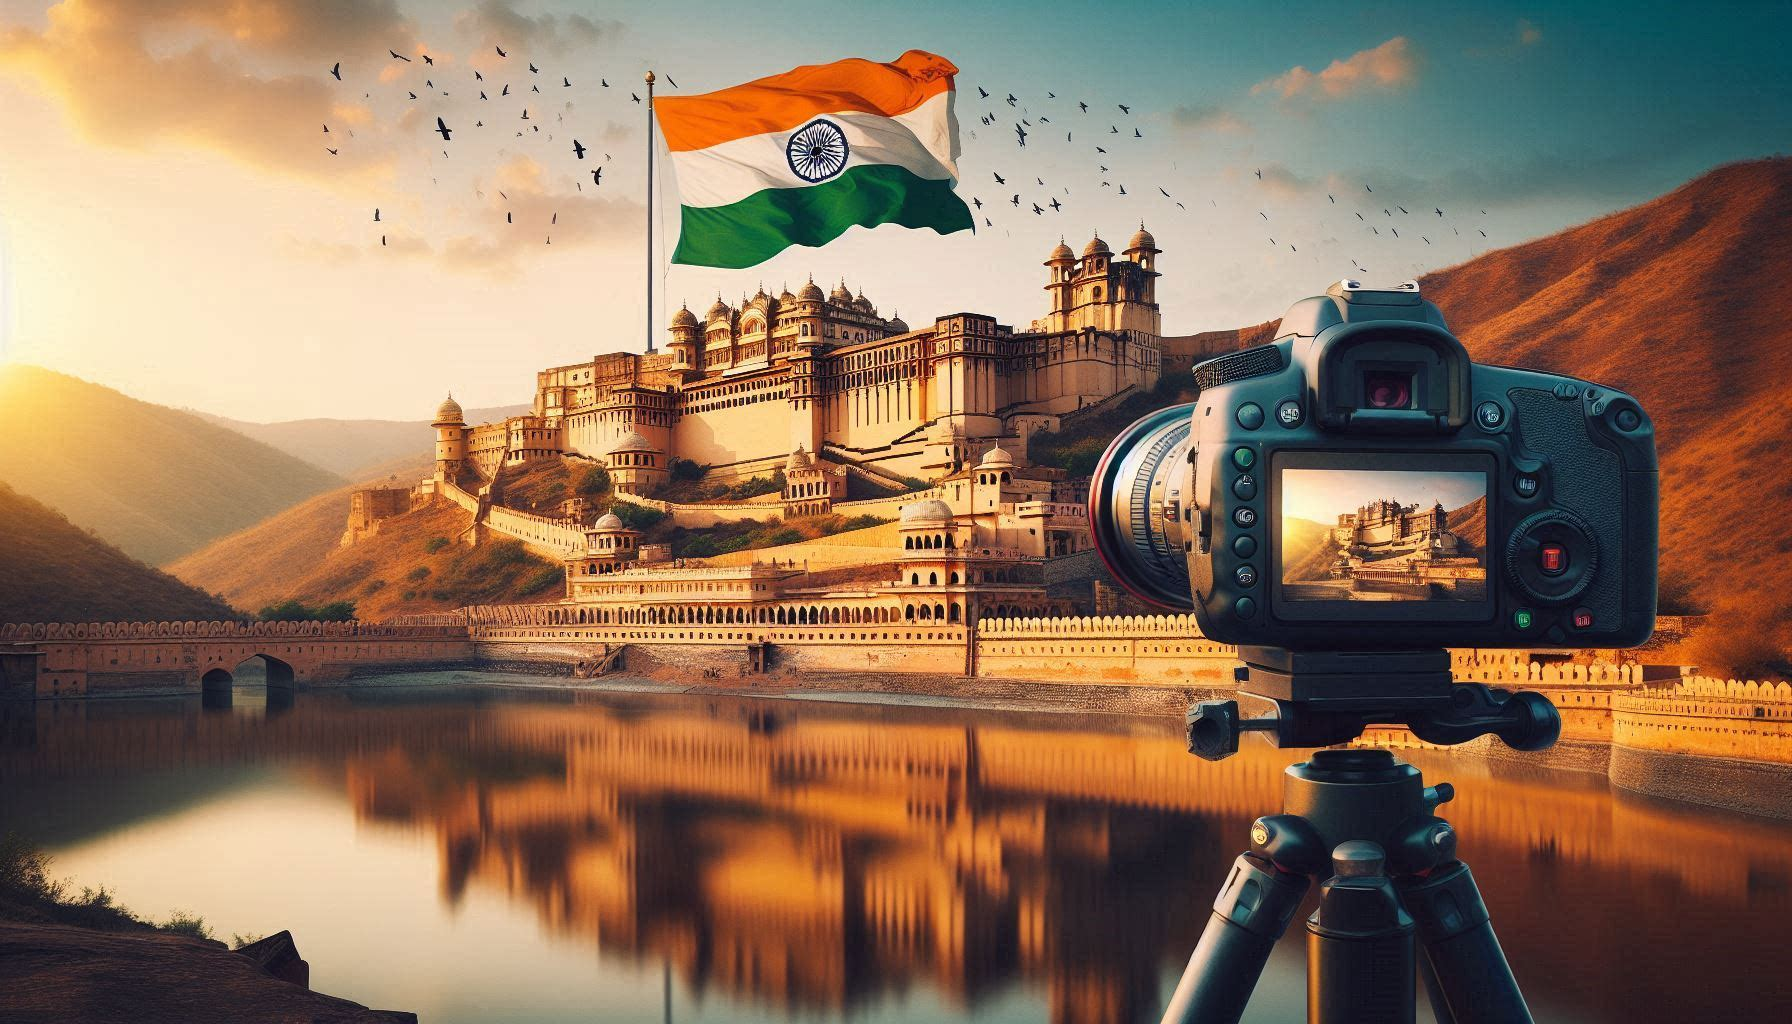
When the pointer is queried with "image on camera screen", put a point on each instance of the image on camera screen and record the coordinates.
(1383, 535)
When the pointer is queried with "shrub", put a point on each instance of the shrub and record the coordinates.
(788, 535)
(335, 611)
(374, 587)
(701, 546)
(421, 572)
(190, 925)
(435, 544)
(506, 552)
(862, 522)
(1739, 642)
(542, 579)
(636, 517)
(238, 941)
(596, 480)
(409, 595)
(686, 469)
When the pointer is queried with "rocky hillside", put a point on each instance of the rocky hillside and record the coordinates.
(1682, 302)
(354, 448)
(54, 571)
(155, 481)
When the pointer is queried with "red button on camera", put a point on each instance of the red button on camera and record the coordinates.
(1552, 558)
(1583, 619)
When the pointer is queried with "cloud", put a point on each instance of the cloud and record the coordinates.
(496, 23)
(135, 73)
(1207, 117)
(1390, 66)
(524, 208)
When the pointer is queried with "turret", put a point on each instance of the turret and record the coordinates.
(451, 439)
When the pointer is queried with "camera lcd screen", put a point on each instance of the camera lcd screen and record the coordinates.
(1375, 536)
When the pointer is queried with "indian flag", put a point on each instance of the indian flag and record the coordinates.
(797, 158)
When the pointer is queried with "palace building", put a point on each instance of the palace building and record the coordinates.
(742, 386)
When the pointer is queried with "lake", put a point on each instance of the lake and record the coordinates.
(537, 854)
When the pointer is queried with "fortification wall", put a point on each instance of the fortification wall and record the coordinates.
(1728, 718)
(1114, 649)
(881, 648)
(550, 538)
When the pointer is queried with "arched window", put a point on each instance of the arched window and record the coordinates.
(1097, 293)
(933, 579)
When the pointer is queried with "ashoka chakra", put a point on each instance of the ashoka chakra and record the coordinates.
(817, 151)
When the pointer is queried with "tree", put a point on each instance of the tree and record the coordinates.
(686, 469)
(595, 481)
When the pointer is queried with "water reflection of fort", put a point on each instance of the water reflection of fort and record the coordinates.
(813, 857)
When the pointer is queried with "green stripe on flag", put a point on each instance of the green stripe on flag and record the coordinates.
(766, 223)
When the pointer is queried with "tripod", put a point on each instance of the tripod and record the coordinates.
(1361, 823)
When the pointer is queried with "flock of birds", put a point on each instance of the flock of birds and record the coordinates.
(514, 105)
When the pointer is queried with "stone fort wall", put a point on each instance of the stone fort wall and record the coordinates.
(1103, 649)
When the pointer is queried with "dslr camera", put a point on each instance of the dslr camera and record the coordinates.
(1360, 484)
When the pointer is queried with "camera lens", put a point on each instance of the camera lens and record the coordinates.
(1136, 501)
(1387, 389)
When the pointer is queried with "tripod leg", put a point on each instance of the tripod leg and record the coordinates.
(1472, 975)
(1251, 912)
(1434, 992)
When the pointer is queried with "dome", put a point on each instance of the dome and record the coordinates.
(840, 295)
(684, 318)
(799, 461)
(786, 296)
(1062, 252)
(897, 324)
(1141, 239)
(1097, 247)
(719, 311)
(449, 411)
(632, 442)
(608, 521)
(933, 510)
(811, 292)
(863, 305)
(996, 457)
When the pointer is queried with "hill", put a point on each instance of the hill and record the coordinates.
(353, 448)
(257, 566)
(1682, 302)
(53, 571)
(157, 482)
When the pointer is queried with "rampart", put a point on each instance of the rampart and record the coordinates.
(1111, 649)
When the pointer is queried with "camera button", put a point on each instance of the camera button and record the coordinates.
(1582, 618)
(1245, 486)
(1244, 515)
(1244, 607)
(1244, 458)
(1628, 419)
(1244, 547)
(1521, 619)
(1246, 575)
(1527, 485)
(1552, 559)
(1490, 415)
(1250, 415)
(1289, 414)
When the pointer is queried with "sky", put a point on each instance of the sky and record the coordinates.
(1322, 495)
(173, 225)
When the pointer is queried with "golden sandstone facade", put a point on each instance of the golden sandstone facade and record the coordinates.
(743, 386)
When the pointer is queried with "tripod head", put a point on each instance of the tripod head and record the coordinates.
(1324, 698)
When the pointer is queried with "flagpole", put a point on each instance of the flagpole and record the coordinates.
(650, 267)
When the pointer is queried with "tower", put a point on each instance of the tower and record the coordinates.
(1060, 270)
(686, 348)
(451, 439)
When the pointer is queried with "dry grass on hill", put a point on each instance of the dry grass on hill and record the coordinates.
(53, 571)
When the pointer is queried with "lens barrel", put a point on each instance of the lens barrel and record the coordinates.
(1139, 508)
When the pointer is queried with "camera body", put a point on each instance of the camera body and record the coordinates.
(1361, 484)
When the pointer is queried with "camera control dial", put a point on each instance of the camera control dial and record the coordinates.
(1551, 557)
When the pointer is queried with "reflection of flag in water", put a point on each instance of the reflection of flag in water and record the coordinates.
(797, 158)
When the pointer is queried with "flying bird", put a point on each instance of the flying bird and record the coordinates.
(578, 149)
(482, 94)
(1123, 188)
(1167, 195)
(978, 203)
(413, 95)
(535, 88)
(477, 77)
(670, 82)
(597, 176)
(382, 239)
(1439, 211)
(1402, 209)
(1021, 133)
(565, 83)
(1483, 233)
(984, 93)
(1056, 206)
(1085, 107)
(1259, 174)
(1124, 109)
(605, 81)
(1136, 134)
(1098, 149)
(1331, 197)
(1011, 99)
(500, 50)
(1036, 209)
(507, 219)
(1016, 199)
(999, 179)
(506, 91)
(427, 59)
(440, 127)
(376, 215)
(632, 96)
(525, 113)
(533, 70)
(336, 72)
(333, 153)
(400, 56)
(326, 129)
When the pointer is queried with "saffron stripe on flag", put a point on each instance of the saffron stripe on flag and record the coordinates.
(762, 225)
(780, 103)
(920, 140)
